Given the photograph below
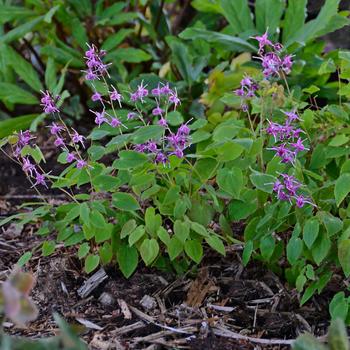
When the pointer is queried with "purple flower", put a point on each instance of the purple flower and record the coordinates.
(165, 89)
(24, 138)
(299, 146)
(292, 116)
(48, 103)
(173, 99)
(156, 91)
(39, 179)
(152, 147)
(142, 148)
(116, 96)
(81, 164)
(161, 158)
(59, 142)
(55, 129)
(131, 115)
(100, 117)
(115, 122)
(184, 129)
(287, 64)
(246, 81)
(157, 111)
(96, 68)
(178, 153)
(70, 157)
(27, 166)
(162, 122)
(96, 97)
(77, 138)
(239, 92)
(263, 41)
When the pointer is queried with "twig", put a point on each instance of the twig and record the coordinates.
(226, 333)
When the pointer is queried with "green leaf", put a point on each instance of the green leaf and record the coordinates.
(342, 188)
(266, 18)
(128, 259)
(339, 306)
(172, 195)
(149, 250)
(338, 335)
(310, 232)
(136, 235)
(216, 243)
(230, 180)
(106, 253)
(106, 182)
(339, 140)
(332, 224)
(11, 93)
(24, 259)
(125, 201)
(153, 221)
(294, 249)
(194, 250)
(48, 248)
(50, 74)
(238, 15)
(344, 256)
(263, 182)
(9, 126)
(225, 41)
(84, 213)
(147, 133)
(175, 248)
(321, 248)
(128, 54)
(307, 342)
(315, 27)
(181, 230)
(163, 235)
(91, 263)
(83, 250)
(9, 13)
(127, 228)
(20, 31)
(200, 229)
(129, 160)
(23, 68)
(115, 39)
(247, 252)
(267, 246)
(294, 18)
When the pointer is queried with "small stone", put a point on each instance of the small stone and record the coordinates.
(148, 302)
(106, 299)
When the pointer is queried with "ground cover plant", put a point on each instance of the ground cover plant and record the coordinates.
(173, 163)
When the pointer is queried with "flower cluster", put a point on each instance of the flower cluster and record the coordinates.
(288, 137)
(172, 144)
(246, 91)
(58, 131)
(29, 168)
(49, 102)
(272, 61)
(95, 67)
(76, 140)
(288, 189)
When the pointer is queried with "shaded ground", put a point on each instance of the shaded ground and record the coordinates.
(209, 308)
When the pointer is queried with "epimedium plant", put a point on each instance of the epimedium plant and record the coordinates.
(155, 186)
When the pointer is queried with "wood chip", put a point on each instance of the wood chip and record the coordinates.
(92, 283)
(125, 309)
